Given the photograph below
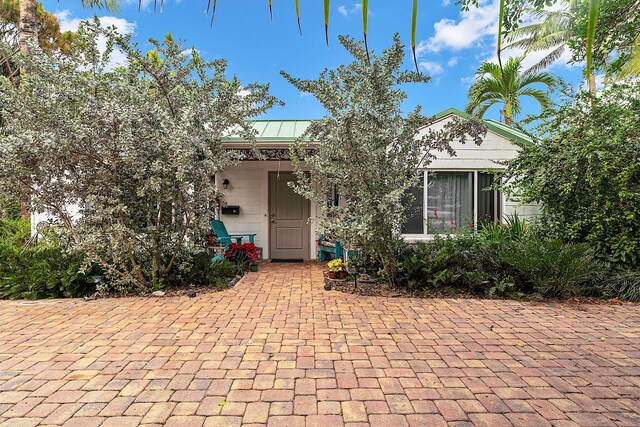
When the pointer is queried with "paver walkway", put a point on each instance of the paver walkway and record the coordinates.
(279, 350)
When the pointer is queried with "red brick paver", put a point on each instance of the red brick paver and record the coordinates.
(278, 350)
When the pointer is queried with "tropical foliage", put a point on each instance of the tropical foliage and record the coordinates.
(42, 269)
(369, 153)
(585, 169)
(516, 262)
(133, 150)
(494, 85)
(556, 30)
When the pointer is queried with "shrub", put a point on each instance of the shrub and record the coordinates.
(550, 267)
(134, 147)
(585, 169)
(510, 260)
(624, 285)
(40, 270)
(203, 272)
(445, 264)
(513, 227)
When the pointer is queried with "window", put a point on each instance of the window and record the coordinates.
(455, 201)
(415, 211)
(449, 202)
(488, 200)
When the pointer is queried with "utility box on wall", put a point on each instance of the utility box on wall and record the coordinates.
(231, 210)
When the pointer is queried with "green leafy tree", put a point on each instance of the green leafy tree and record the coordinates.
(494, 85)
(134, 148)
(584, 167)
(371, 151)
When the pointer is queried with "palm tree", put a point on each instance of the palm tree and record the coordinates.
(29, 18)
(552, 30)
(632, 67)
(494, 85)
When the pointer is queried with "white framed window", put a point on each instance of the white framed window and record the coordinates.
(449, 201)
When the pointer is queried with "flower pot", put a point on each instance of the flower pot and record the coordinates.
(342, 274)
(254, 267)
(332, 275)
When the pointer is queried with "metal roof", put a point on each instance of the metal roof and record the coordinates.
(275, 130)
(497, 127)
(290, 130)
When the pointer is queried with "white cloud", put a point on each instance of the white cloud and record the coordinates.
(477, 29)
(446, 2)
(69, 23)
(467, 81)
(244, 92)
(471, 30)
(433, 68)
(350, 10)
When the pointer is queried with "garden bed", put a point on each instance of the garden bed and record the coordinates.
(383, 289)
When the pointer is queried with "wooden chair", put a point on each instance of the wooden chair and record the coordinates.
(224, 238)
(330, 248)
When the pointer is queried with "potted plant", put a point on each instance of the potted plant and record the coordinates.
(242, 255)
(337, 269)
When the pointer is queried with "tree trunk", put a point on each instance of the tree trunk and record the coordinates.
(28, 34)
(28, 24)
(591, 81)
(507, 113)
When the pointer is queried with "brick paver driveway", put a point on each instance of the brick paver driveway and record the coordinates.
(279, 350)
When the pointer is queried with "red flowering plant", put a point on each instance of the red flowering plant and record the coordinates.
(241, 255)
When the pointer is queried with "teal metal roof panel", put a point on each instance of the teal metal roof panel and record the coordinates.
(290, 130)
(274, 130)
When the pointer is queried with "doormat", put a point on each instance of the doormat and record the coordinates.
(288, 260)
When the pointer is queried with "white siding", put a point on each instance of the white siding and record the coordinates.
(249, 189)
(469, 156)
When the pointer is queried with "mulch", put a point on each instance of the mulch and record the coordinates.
(368, 287)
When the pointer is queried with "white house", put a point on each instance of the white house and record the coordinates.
(451, 197)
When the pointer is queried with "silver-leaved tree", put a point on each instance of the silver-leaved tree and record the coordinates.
(134, 148)
(370, 152)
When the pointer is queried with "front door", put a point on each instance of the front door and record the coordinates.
(288, 214)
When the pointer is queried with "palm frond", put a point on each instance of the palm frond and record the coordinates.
(544, 78)
(539, 95)
(548, 59)
(414, 28)
(109, 5)
(365, 21)
(632, 67)
(594, 11)
(297, 3)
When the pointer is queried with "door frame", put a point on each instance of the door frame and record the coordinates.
(270, 240)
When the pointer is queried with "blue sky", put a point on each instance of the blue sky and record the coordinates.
(451, 44)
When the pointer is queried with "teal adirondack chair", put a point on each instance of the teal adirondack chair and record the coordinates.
(224, 238)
